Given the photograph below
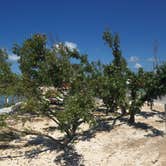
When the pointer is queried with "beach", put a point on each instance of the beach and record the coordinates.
(143, 144)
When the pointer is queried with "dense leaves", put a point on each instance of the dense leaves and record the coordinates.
(114, 77)
(53, 67)
(6, 76)
(78, 109)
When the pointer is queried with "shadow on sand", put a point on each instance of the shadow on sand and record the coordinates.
(144, 126)
(153, 113)
(7, 136)
(68, 155)
(102, 124)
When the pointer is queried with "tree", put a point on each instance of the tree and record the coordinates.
(114, 76)
(125, 89)
(44, 66)
(145, 87)
(136, 93)
(6, 81)
(78, 109)
(6, 74)
(160, 74)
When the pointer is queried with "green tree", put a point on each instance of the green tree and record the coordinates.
(78, 109)
(160, 74)
(114, 76)
(6, 74)
(145, 87)
(136, 93)
(44, 66)
(6, 81)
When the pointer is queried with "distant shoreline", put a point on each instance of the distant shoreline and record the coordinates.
(10, 101)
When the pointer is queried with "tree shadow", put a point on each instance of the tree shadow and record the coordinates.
(101, 110)
(51, 128)
(7, 146)
(144, 126)
(154, 131)
(147, 115)
(105, 124)
(7, 136)
(160, 114)
(160, 121)
(153, 113)
(68, 155)
(45, 143)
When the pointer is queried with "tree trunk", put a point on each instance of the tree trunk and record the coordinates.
(132, 117)
(107, 110)
(69, 137)
(70, 134)
(132, 107)
(123, 110)
(151, 106)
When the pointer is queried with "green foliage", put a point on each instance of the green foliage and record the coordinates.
(78, 109)
(113, 80)
(44, 66)
(52, 93)
(32, 55)
(145, 87)
(6, 75)
(136, 93)
(127, 90)
(7, 81)
(3, 121)
(161, 79)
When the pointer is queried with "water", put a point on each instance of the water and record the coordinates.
(11, 100)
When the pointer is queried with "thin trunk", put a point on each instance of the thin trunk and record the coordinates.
(71, 133)
(69, 137)
(132, 110)
(151, 106)
(123, 110)
(132, 116)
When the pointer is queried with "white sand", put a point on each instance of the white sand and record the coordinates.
(122, 146)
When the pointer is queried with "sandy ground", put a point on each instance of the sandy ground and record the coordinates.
(143, 144)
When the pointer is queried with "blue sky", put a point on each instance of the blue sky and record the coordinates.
(138, 22)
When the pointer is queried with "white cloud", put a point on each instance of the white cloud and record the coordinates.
(150, 59)
(137, 66)
(71, 45)
(13, 57)
(133, 59)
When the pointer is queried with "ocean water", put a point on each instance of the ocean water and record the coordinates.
(11, 100)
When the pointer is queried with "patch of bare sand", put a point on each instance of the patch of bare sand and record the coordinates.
(140, 145)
